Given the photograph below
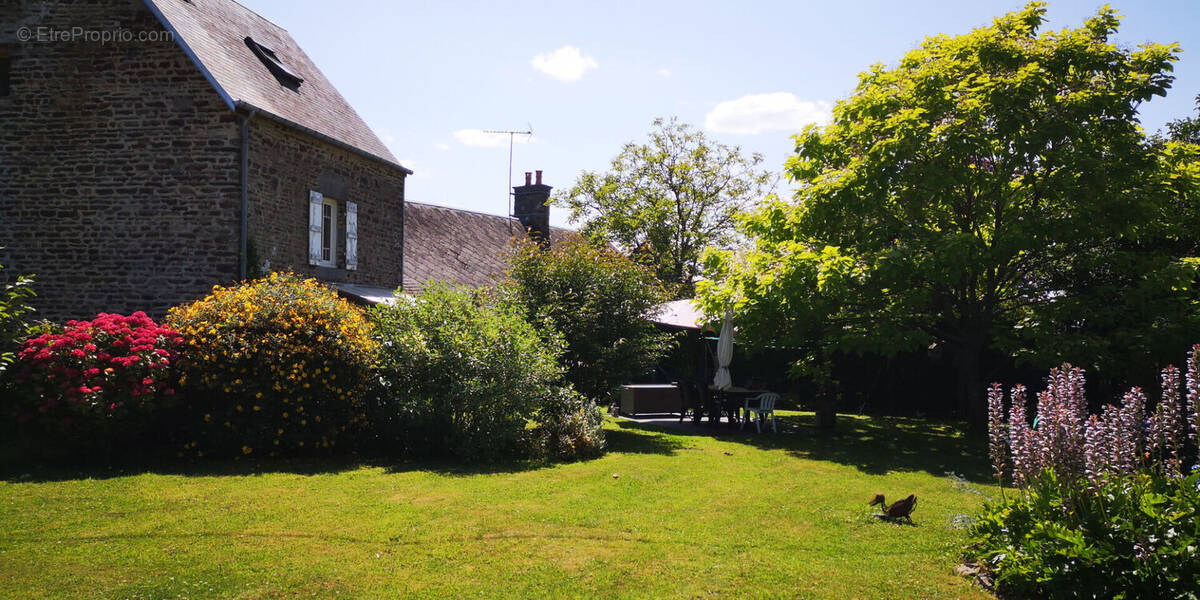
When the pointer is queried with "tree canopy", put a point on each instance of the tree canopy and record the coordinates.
(665, 201)
(991, 192)
(1186, 129)
(598, 301)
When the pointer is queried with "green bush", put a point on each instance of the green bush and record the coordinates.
(460, 373)
(598, 301)
(14, 306)
(1129, 537)
(275, 366)
(569, 427)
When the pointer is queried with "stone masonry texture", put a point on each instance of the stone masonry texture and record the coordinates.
(118, 168)
(285, 165)
(120, 174)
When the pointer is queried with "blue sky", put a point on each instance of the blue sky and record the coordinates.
(590, 76)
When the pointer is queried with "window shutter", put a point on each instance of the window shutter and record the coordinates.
(351, 236)
(315, 201)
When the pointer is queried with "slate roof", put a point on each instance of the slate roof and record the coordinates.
(458, 246)
(213, 32)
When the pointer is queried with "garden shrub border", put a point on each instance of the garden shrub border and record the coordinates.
(98, 384)
(276, 366)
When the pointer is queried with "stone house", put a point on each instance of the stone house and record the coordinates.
(151, 149)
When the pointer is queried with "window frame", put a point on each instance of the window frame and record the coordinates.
(331, 231)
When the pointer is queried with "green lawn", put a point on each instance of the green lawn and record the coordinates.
(690, 516)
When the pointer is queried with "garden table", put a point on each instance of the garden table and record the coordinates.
(728, 401)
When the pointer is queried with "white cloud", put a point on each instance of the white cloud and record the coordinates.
(442, 146)
(564, 64)
(664, 72)
(478, 138)
(756, 113)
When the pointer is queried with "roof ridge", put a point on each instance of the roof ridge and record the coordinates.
(478, 212)
(465, 210)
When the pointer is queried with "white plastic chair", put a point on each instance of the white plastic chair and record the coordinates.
(764, 409)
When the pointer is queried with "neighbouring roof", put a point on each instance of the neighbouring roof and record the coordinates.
(683, 314)
(366, 294)
(213, 34)
(457, 246)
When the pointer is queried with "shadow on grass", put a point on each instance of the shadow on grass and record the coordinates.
(17, 470)
(873, 444)
(641, 440)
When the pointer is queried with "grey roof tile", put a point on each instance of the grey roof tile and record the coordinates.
(457, 246)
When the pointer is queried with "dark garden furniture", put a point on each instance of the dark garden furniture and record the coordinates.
(728, 402)
(693, 401)
(650, 398)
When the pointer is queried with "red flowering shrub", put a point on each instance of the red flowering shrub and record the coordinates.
(94, 375)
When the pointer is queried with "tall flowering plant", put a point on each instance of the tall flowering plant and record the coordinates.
(1120, 440)
(94, 374)
(1109, 503)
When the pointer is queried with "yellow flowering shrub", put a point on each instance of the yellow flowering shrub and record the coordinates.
(275, 366)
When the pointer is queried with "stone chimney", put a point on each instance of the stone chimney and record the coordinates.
(530, 205)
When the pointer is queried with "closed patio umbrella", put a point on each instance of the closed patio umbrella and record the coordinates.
(724, 353)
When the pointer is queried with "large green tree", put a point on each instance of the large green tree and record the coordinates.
(1186, 129)
(597, 301)
(665, 201)
(990, 193)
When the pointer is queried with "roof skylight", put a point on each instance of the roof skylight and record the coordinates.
(286, 76)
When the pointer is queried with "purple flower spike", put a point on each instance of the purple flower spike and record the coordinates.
(997, 447)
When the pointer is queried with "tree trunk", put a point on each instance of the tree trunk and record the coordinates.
(826, 413)
(827, 402)
(972, 396)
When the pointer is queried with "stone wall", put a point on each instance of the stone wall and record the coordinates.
(119, 166)
(120, 173)
(285, 165)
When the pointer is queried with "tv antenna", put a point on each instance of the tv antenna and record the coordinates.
(511, 135)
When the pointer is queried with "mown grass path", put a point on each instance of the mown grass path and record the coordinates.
(688, 516)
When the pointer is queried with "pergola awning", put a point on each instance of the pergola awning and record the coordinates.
(683, 314)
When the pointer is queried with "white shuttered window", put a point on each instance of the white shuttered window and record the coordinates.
(322, 230)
